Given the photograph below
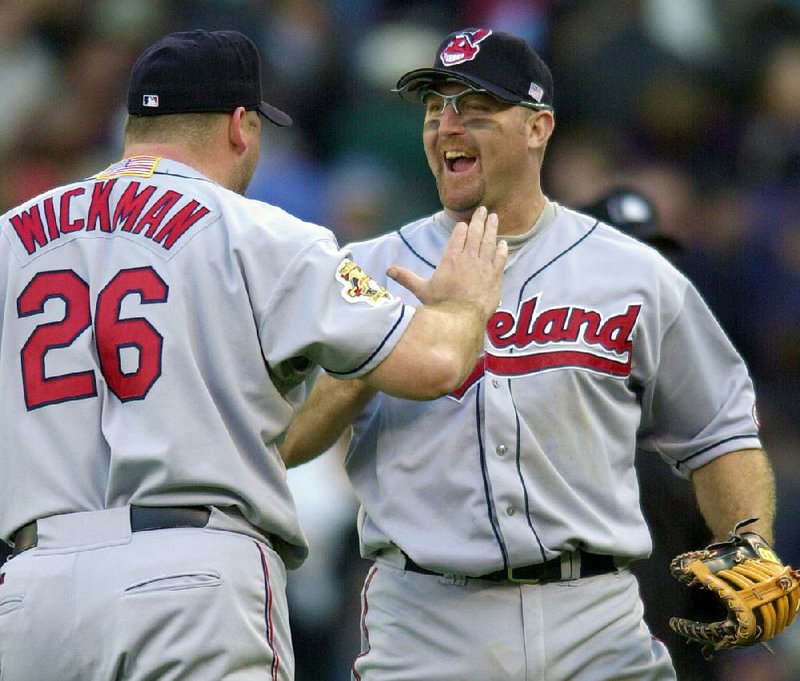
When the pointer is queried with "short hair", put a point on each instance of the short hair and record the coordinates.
(192, 129)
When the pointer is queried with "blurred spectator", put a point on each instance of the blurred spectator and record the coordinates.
(769, 171)
(27, 70)
(239, 15)
(374, 124)
(695, 103)
(72, 125)
(770, 148)
(582, 161)
(770, 277)
(289, 176)
(689, 29)
(301, 51)
(359, 198)
(529, 19)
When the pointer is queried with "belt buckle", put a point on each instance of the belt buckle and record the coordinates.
(521, 580)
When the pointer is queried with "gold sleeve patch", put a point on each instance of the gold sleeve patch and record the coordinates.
(358, 286)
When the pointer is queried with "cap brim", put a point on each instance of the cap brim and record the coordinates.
(274, 115)
(408, 87)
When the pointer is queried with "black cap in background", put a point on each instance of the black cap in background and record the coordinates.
(632, 212)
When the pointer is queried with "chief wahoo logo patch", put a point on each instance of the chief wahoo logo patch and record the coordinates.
(464, 47)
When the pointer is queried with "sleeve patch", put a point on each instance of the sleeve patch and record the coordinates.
(358, 286)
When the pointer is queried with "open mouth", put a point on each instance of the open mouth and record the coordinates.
(459, 161)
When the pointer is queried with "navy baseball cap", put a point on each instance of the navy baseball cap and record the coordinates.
(199, 72)
(500, 63)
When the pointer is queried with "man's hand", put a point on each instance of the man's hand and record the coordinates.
(438, 349)
(442, 343)
(470, 271)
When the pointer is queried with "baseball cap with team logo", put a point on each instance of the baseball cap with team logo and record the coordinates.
(500, 63)
(199, 72)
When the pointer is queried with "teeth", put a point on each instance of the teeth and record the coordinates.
(449, 155)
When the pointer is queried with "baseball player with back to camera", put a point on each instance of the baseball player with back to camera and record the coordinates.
(502, 517)
(157, 330)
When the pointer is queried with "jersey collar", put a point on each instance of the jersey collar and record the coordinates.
(516, 241)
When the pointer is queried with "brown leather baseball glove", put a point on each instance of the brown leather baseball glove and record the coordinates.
(760, 593)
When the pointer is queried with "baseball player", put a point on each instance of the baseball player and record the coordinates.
(502, 517)
(156, 334)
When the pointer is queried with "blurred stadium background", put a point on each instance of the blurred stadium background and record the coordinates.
(695, 103)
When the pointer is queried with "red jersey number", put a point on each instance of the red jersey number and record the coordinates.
(113, 334)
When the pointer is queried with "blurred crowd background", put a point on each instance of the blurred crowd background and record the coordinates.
(695, 103)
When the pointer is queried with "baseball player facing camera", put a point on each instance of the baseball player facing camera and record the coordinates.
(502, 517)
(157, 331)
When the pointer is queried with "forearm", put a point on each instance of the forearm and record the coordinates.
(329, 410)
(734, 487)
(439, 348)
(441, 345)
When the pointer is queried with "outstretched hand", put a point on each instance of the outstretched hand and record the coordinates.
(470, 271)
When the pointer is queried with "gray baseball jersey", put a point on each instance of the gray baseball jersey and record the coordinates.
(155, 336)
(599, 347)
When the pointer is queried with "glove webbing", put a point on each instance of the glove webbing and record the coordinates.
(765, 588)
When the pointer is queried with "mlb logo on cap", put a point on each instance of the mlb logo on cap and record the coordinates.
(200, 72)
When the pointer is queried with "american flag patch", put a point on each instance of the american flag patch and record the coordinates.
(536, 91)
(135, 166)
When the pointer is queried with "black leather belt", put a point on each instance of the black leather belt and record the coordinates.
(142, 518)
(539, 573)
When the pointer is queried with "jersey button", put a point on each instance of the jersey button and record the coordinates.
(495, 383)
(510, 510)
(501, 450)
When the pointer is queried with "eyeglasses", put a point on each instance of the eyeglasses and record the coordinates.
(435, 102)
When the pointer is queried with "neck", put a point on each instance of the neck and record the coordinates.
(512, 220)
(177, 152)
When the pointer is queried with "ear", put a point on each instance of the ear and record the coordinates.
(236, 125)
(541, 125)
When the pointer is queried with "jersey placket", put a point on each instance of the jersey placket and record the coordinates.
(502, 449)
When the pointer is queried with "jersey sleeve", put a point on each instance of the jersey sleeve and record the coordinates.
(700, 402)
(328, 310)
